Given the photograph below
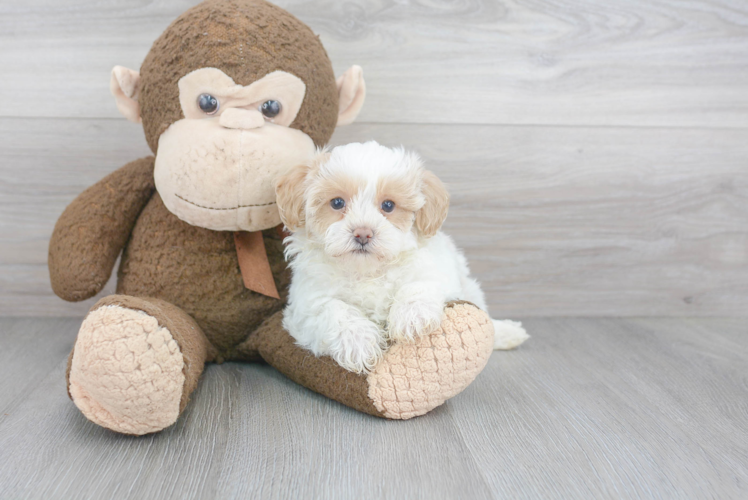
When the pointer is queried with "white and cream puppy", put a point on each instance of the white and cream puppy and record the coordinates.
(369, 264)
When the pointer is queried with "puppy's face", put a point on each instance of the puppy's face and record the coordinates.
(363, 202)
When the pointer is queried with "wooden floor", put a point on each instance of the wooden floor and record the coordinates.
(588, 408)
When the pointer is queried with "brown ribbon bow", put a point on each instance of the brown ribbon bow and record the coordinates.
(254, 264)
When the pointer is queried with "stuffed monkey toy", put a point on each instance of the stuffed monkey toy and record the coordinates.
(233, 94)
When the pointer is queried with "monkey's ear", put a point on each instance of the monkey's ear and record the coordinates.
(433, 213)
(125, 87)
(351, 94)
(289, 193)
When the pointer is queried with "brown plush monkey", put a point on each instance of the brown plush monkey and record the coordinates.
(231, 95)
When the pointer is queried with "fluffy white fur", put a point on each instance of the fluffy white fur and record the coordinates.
(347, 300)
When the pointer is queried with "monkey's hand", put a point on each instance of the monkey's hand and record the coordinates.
(93, 229)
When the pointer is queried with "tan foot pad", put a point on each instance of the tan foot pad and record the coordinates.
(126, 372)
(415, 378)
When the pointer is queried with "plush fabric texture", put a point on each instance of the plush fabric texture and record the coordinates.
(321, 375)
(222, 179)
(91, 233)
(126, 372)
(181, 298)
(150, 338)
(279, 85)
(124, 85)
(194, 273)
(197, 270)
(246, 39)
(415, 378)
(193, 344)
(411, 380)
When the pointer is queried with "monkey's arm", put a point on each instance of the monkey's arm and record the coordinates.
(93, 229)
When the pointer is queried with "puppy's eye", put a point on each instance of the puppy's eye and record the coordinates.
(388, 206)
(208, 104)
(270, 109)
(337, 203)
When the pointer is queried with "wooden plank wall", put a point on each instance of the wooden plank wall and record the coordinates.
(597, 151)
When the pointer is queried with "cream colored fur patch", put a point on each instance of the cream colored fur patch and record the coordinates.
(126, 373)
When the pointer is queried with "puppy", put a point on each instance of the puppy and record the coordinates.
(369, 264)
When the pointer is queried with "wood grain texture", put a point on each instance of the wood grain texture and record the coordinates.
(583, 62)
(588, 408)
(610, 408)
(597, 157)
(30, 349)
(568, 219)
(560, 221)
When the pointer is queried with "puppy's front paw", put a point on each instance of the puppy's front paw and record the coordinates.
(359, 346)
(409, 320)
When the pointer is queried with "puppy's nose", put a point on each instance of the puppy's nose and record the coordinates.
(363, 235)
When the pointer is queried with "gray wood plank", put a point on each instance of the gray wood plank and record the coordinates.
(602, 408)
(588, 408)
(632, 62)
(559, 221)
(248, 432)
(31, 349)
(566, 221)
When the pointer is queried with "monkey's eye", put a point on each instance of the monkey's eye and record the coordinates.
(270, 109)
(208, 104)
(337, 203)
(388, 206)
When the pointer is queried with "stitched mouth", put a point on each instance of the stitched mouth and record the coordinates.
(230, 208)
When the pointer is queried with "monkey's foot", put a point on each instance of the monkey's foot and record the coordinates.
(126, 371)
(414, 378)
(411, 379)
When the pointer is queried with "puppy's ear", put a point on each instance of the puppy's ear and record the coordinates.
(433, 213)
(289, 192)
